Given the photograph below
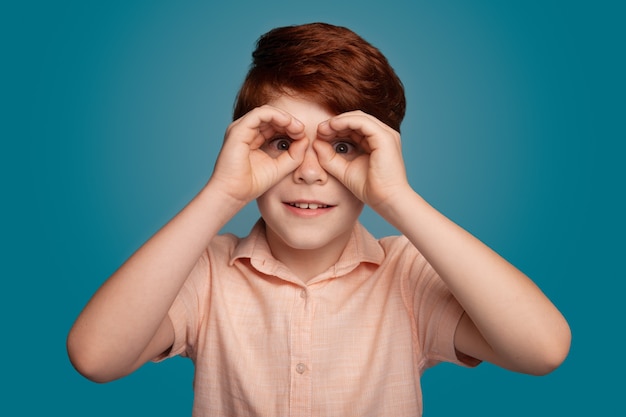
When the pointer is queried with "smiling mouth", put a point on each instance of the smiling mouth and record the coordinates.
(310, 206)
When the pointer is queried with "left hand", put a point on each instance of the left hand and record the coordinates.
(375, 172)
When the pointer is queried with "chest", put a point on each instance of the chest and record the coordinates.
(283, 347)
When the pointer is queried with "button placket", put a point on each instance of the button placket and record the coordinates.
(301, 382)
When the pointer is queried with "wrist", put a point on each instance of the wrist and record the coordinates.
(402, 207)
(219, 200)
(394, 201)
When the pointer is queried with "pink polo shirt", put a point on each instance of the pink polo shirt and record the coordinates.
(353, 341)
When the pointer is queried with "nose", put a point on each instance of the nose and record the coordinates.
(310, 171)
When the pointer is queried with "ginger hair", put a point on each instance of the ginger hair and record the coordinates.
(329, 65)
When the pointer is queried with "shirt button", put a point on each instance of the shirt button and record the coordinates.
(300, 368)
(302, 293)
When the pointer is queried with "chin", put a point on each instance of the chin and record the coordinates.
(313, 243)
(308, 239)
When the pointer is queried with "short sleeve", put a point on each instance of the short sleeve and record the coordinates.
(435, 311)
(188, 310)
(437, 314)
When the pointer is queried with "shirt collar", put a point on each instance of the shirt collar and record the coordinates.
(362, 247)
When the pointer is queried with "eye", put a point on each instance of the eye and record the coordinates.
(276, 145)
(344, 147)
(281, 144)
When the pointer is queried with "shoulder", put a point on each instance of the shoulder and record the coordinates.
(398, 248)
(224, 243)
(395, 242)
(405, 261)
(379, 250)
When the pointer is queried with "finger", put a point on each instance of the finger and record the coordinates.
(330, 160)
(362, 125)
(362, 128)
(264, 122)
(288, 161)
(294, 128)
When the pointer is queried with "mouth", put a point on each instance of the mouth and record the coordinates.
(309, 206)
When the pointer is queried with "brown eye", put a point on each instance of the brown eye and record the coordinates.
(275, 146)
(343, 147)
(282, 144)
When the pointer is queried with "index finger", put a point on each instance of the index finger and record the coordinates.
(362, 128)
(268, 121)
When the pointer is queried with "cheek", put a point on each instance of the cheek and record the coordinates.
(355, 205)
(262, 203)
(269, 199)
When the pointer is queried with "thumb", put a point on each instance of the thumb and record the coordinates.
(292, 159)
(334, 164)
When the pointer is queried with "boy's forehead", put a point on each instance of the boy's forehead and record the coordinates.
(300, 107)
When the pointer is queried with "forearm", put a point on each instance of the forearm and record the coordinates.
(124, 315)
(511, 313)
(514, 321)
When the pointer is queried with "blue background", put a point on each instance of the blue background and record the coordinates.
(113, 112)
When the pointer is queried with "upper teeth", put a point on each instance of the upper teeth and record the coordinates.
(312, 206)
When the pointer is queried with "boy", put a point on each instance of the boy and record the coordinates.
(309, 314)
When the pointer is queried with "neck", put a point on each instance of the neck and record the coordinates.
(307, 263)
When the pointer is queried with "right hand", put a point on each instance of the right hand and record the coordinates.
(243, 169)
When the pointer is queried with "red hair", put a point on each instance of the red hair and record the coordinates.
(329, 65)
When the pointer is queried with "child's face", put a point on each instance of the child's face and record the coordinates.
(332, 209)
